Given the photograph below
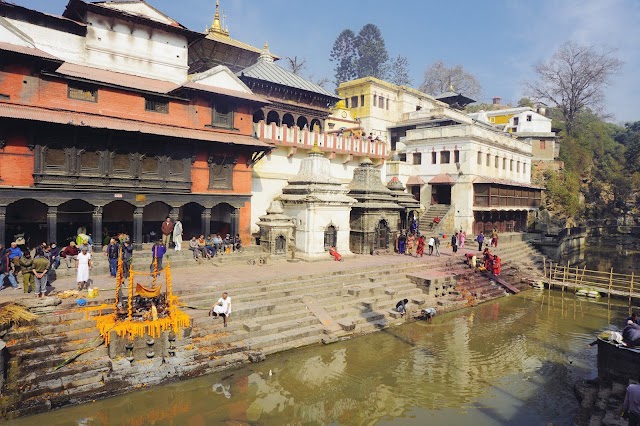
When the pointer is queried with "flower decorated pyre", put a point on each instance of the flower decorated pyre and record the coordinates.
(145, 310)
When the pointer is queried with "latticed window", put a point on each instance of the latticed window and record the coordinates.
(149, 165)
(176, 167)
(330, 237)
(82, 93)
(222, 115)
(54, 159)
(156, 105)
(90, 162)
(220, 176)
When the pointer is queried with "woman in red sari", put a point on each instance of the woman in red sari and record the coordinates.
(420, 248)
(336, 256)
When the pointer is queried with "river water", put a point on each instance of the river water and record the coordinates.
(511, 361)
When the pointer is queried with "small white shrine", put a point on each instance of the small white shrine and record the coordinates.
(320, 208)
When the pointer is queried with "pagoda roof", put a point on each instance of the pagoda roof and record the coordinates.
(454, 99)
(272, 73)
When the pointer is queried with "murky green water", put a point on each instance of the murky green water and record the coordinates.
(513, 361)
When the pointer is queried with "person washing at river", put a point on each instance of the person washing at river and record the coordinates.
(401, 306)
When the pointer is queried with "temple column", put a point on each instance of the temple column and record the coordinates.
(205, 222)
(174, 214)
(97, 229)
(52, 224)
(235, 222)
(3, 220)
(137, 228)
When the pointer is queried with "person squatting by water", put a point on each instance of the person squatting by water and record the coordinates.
(222, 308)
(427, 314)
(401, 306)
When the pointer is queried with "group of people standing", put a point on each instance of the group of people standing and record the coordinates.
(37, 269)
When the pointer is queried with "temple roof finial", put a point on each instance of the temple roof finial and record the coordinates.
(266, 55)
(315, 151)
(216, 26)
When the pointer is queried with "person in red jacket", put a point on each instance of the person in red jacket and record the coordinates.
(70, 254)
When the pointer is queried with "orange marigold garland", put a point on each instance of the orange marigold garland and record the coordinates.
(175, 321)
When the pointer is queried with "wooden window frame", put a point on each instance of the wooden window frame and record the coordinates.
(74, 88)
(156, 105)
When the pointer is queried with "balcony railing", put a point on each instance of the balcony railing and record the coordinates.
(327, 142)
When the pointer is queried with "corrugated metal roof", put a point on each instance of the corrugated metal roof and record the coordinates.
(116, 78)
(415, 180)
(31, 51)
(225, 92)
(268, 71)
(72, 118)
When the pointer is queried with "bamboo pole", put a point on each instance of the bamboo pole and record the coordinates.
(610, 283)
(576, 283)
(630, 292)
(544, 271)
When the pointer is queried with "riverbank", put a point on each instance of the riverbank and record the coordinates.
(513, 360)
(277, 306)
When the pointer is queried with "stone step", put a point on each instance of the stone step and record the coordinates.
(273, 339)
(293, 344)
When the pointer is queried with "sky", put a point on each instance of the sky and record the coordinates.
(498, 41)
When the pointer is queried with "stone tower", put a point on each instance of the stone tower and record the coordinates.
(374, 219)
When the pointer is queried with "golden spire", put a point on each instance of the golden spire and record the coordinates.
(216, 26)
(451, 87)
(316, 149)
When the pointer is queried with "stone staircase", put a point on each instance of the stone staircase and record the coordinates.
(269, 315)
(426, 225)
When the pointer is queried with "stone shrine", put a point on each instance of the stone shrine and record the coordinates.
(276, 230)
(410, 206)
(375, 218)
(320, 208)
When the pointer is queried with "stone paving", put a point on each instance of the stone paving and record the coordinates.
(185, 278)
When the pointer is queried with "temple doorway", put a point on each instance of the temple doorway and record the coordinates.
(117, 218)
(382, 235)
(441, 194)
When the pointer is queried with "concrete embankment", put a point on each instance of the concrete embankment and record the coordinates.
(277, 306)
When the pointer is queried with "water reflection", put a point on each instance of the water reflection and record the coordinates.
(511, 361)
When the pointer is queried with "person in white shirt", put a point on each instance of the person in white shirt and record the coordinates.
(432, 241)
(222, 308)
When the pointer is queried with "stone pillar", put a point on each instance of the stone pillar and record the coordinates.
(205, 222)
(174, 214)
(137, 228)
(235, 222)
(97, 229)
(3, 219)
(52, 224)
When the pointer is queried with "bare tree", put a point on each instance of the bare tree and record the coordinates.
(400, 71)
(574, 79)
(438, 78)
(296, 65)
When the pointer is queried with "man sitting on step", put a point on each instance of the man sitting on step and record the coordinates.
(222, 308)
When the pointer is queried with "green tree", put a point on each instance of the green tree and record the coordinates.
(372, 53)
(345, 55)
(526, 102)
(400, 71)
